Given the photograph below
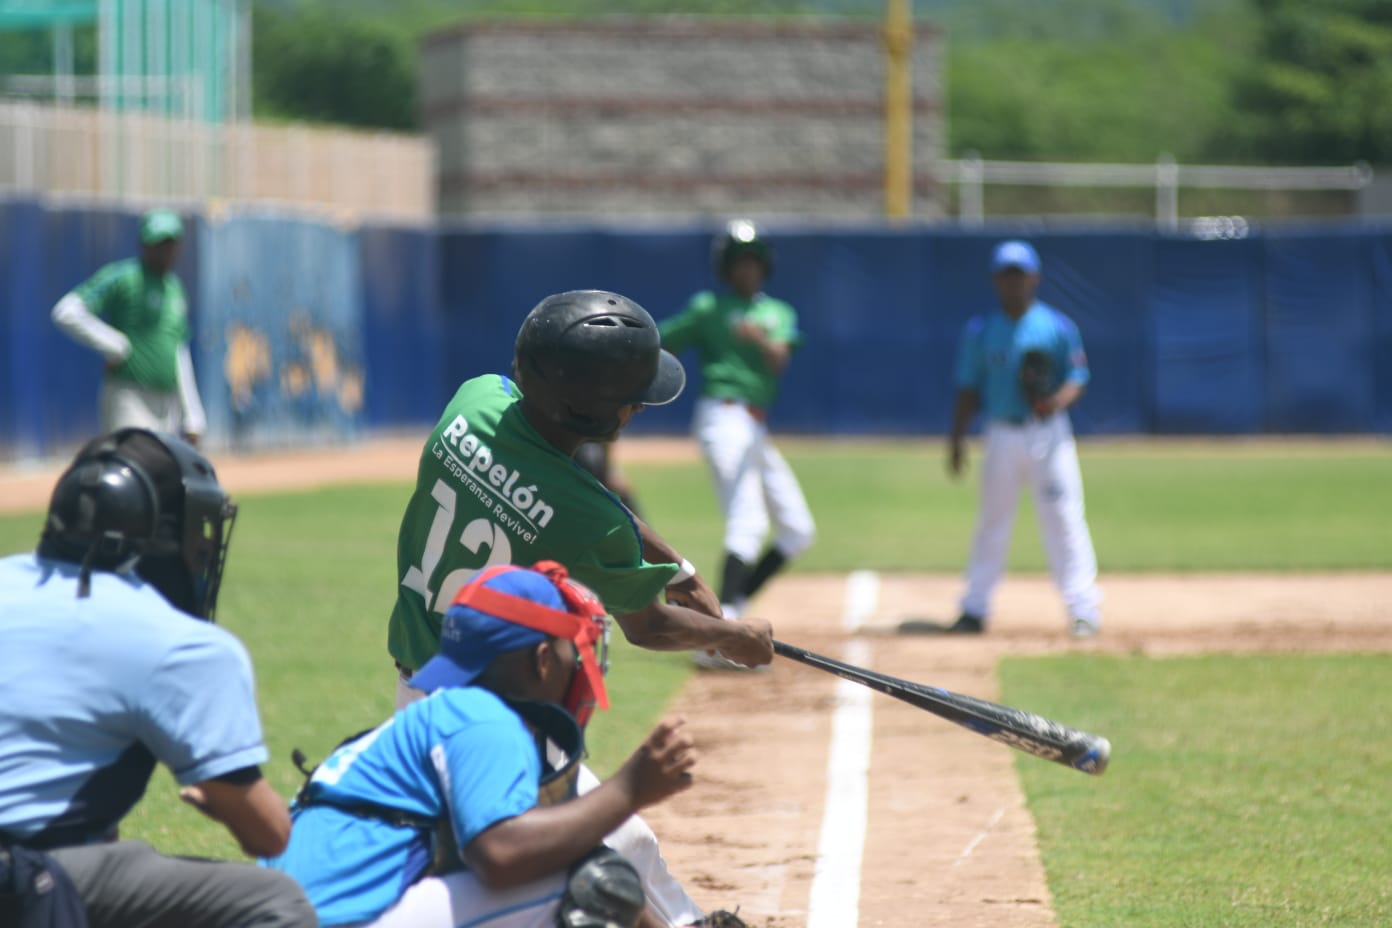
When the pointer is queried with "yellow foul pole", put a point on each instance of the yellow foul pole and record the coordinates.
(898, 131)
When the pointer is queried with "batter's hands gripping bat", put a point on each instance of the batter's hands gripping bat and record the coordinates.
(1022, 730)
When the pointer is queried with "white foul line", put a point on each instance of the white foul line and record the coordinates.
(981, 836)
(834, 901)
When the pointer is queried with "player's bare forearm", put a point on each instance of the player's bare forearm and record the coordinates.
(963, 409)
(545, 839)
(671, 627)
(656, 549)
(693, 592)
(1066, 396)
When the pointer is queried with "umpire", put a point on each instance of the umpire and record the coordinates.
(110, 662)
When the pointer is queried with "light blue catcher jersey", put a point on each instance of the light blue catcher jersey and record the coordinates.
(460, 753)
(988, 357)
(94, 691)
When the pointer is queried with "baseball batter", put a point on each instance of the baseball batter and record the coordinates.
(1027, 441)
(745, 340)
(497, 485)
(134, 314)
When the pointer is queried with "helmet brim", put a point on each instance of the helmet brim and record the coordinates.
(669, 382)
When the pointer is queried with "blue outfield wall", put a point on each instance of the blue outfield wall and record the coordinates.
(308, 332)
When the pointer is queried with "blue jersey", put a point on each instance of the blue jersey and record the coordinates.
(988, 357)
(94, 691)
(461, 754)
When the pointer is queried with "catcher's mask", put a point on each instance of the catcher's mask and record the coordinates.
(506, 608)
(149, 501)
(583, 355)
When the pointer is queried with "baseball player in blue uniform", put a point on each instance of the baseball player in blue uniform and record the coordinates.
(516, 645)
(105, 669)
(1027, 441)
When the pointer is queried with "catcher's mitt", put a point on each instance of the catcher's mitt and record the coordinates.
(1036, 377)
(603, 891)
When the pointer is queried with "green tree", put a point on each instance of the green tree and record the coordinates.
(310, 62)
(1319, 88)
(1106, 84)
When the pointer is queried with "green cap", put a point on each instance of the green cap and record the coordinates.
(158, 225)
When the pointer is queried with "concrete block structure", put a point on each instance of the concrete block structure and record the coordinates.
(672, 116)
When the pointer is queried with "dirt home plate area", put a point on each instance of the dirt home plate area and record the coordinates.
(915, 821)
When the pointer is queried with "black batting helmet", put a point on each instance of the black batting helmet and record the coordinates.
(740, 237)
(142, 499)
(582, 355)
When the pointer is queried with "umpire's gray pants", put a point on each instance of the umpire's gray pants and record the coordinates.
(128, 885)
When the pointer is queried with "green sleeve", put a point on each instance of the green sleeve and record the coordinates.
(622, 584)
(96, 291)
(785, 328)
(679, 332)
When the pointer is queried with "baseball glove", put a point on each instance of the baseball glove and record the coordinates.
(1036, 377)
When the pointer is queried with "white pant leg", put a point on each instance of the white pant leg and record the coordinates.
(1003, 470)
(460, 899)
(793, 527)
(728, 438)
(124, 405)
(1057, 484)
(635, 840)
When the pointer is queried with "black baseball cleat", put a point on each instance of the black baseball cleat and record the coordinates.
(966, 624)
(722, 919)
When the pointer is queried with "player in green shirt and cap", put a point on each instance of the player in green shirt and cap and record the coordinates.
(134, 314)
(745, 339)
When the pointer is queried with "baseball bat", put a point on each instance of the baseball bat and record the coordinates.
(1017, 728)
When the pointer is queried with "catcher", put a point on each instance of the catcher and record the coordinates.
(1023, 367)
(462, 778)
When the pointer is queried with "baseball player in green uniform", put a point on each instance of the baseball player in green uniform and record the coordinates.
(745, 339)
(497, 485)
(135, 315)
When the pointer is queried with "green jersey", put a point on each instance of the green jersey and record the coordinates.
(731, 367)
(150, 310)
(490, 490)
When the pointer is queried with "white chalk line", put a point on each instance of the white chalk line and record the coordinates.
(981, 836)
(834, 901)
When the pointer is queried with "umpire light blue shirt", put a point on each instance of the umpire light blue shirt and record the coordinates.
(988, 357)
(93, 691)
(460, 754)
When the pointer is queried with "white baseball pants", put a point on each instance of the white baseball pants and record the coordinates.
(459, 899)
(752, 480)
(1043, 455)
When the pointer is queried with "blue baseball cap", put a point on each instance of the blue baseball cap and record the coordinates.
(1015, 253)
(159, 225)
(471, 639)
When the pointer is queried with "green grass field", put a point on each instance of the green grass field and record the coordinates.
(1245, 790)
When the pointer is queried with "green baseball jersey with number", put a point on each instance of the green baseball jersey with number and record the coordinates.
(150, 310)
(732, 368)
(490, 490)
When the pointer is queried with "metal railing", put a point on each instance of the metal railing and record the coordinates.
(1166, 176)
(140, 159)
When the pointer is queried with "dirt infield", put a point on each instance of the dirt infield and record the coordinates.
(947, 839)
